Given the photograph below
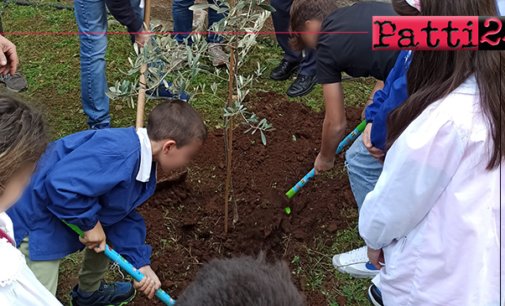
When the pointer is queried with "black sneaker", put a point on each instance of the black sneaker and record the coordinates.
(302, 86)
(109, 294)
(375, 296)
(284, 71)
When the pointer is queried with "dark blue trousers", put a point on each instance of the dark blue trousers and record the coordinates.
(281, 24)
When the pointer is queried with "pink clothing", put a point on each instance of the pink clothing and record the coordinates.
(435, 210)
(4, 235)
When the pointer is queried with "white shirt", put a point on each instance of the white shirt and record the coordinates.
(18, 285)
(146, 156)
(435, 210)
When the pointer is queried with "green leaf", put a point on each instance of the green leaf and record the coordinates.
(263, 138)
(288, 211)
(198, 7)
(267, 7)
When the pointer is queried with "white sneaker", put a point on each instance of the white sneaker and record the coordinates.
(361, 270)
(350, 258)
(355, 263)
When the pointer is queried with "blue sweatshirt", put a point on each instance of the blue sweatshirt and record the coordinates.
(85, 178)
(393, 94)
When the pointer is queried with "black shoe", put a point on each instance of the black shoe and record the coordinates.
(284, 70)
(375, 296)
(302, 86)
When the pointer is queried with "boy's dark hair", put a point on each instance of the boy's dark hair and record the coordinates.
(176, 120)
(304, 10)
(242, 281)
(23, 137)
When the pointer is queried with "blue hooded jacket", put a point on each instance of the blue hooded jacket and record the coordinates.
(85, 178)
(393, 94)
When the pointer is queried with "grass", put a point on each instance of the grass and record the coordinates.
(51, 65)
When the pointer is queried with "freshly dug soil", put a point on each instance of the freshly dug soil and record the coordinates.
(185, 222)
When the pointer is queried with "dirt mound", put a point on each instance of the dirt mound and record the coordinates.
(185, 222)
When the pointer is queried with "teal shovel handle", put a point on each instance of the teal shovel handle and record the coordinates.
(125, 265)
(347, 141)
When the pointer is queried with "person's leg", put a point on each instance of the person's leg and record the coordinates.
(308, 63)
(139, 11)
(91, 290)
(363, 170)
(91, 16)
(306, 79)
(94, 267)
(217, 55)
(45, 271)
(291, 61)
(183, 18)
(280, 19)
(213, 18)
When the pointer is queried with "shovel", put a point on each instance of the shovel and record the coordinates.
(347, 141)
(125, 265)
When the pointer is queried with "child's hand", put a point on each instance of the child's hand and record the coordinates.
(149, 284)
(376, 153)
(94, 239)
(376, 258)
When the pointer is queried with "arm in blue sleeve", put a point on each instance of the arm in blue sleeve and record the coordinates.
(382, 95)
(77, 181)
(378, 99)
(123, 11)
(128, 238)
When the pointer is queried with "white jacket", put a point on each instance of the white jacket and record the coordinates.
(18, 285)
(435, 210)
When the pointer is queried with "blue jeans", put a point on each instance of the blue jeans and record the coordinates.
(363, 170)
(183, 20)
(91, 17)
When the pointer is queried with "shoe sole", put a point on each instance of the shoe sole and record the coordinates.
(288, 75)
(122, 303)
(306, 92)
(13, 90)
(357, 275)
(369, 292)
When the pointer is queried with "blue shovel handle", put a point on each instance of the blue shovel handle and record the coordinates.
(135, 273)
(347, 141)
(125, 265)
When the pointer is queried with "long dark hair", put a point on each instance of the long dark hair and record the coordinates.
(435, 74)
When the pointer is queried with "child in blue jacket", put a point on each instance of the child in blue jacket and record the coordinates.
(95, 180)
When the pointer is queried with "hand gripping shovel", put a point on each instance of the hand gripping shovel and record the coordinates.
(347, 141)
(128, 267)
